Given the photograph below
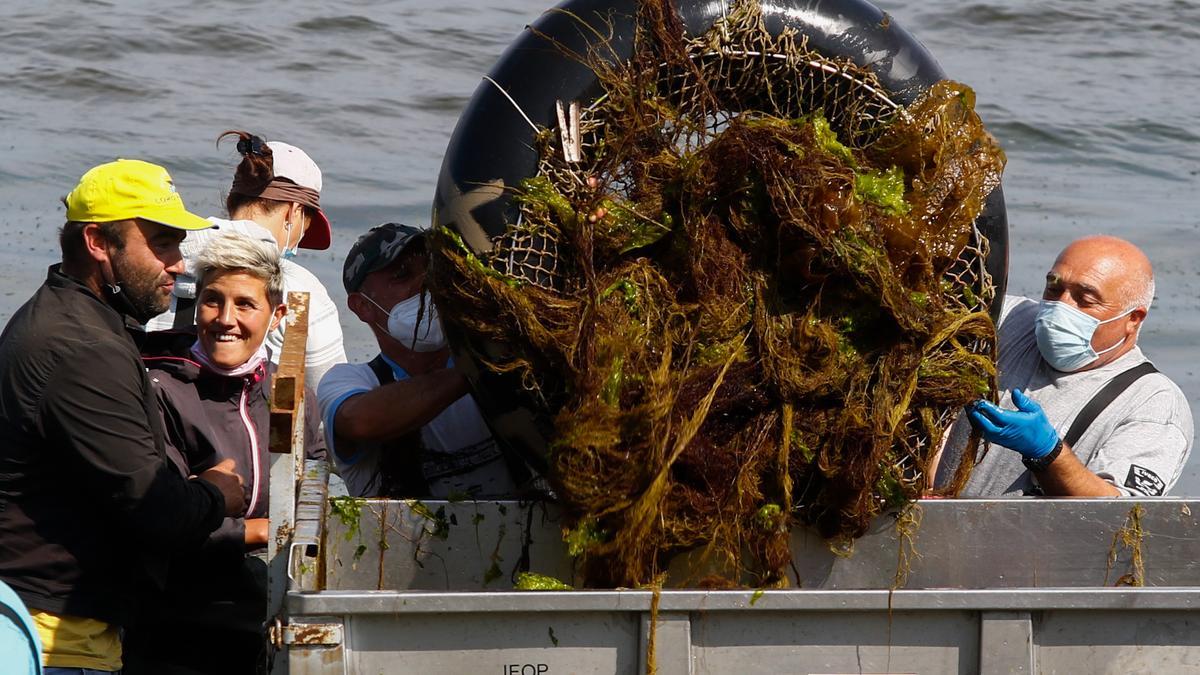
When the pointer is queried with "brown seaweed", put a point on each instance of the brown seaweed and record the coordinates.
(772, 320)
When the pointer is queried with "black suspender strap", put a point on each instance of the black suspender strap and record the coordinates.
(401, 474)
(383, 372)
(11, 614)
(1103, 398)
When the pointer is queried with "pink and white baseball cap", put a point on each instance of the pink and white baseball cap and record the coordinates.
(294, 164)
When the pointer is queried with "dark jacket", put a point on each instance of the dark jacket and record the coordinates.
(209, 417)
(90, 506)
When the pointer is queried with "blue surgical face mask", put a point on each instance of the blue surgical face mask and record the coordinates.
(289, 249)
(1064, 335)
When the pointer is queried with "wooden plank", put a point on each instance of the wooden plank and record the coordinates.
(287, 388)
(287, 448)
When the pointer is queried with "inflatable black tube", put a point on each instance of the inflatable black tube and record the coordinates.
(492, 146)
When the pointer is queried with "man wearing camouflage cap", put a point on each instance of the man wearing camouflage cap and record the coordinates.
(403, 424)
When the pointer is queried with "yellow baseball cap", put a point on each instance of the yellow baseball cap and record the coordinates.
(127, 189)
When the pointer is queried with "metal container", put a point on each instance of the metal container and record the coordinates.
(993, 586)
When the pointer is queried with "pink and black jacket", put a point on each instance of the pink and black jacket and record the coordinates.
(208, 417)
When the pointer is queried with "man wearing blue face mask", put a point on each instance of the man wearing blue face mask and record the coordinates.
(403, 424)
(1082, 412)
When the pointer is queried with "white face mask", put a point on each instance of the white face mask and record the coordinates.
(402, 323)
(1064, 335)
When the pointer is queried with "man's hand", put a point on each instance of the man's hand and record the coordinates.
(256, 532)
(1025, 429)
(230, 484)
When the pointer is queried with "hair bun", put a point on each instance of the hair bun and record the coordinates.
(252, 145)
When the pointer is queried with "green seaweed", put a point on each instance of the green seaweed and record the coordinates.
(626, 228)
(474, 263)
(767, 516)
(628, 291)
(530, 581)
(885, 189)
(611, 392)
(538, 190)
(349, 511)
(493, 572)
(441, 524)
(582, 537)
(827, 139)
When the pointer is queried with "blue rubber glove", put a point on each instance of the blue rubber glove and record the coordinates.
(1025, 429)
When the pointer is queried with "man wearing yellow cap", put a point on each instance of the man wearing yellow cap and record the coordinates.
(90, 507)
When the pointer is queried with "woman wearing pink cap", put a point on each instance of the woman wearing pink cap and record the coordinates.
(276, 197)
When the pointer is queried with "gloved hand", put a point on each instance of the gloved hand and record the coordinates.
(1025, 429)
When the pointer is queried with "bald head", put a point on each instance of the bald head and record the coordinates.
(1116, 269)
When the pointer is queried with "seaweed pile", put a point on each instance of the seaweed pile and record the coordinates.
(765, 302)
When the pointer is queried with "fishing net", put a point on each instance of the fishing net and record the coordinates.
(747, 288)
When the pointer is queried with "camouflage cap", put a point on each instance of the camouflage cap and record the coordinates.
(375, 250)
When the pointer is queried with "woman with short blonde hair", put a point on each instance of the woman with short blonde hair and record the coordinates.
(212, 388)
